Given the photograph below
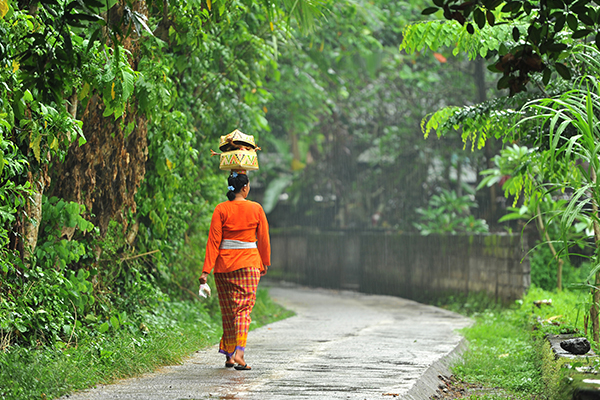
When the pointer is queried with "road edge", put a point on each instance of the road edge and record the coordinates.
(429, 383)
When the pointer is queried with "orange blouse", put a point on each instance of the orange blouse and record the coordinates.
(237, 220)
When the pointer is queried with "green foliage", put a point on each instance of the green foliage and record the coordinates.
(61, 219)
(435, 35)
(543, 269)
(567, 152)
(199, 73)
(44, 301)
(433, 122)
(347, 146)
(114, 79)
(164, 335)
(12, 195)
(541, 34)
(565, 312)
(506, 354)
(35, 106)
(543, 174)
(519, 166)
(471, 304)
(176, 330)
(449, 213)
(205, 79)
(51, 309)
(481, 122)
(570, 58)
(565, 128)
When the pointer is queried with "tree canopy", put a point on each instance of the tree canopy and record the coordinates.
(106, 112)
(549, 120)
(109, 110)
(542, 33)
(352, 152)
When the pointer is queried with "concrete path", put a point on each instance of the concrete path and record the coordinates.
(340, 345)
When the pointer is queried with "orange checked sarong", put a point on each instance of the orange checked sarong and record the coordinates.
(237, 295)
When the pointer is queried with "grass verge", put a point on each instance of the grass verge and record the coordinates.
(507, 357)
(166, 337)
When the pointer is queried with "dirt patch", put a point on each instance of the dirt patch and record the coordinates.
(453, 388)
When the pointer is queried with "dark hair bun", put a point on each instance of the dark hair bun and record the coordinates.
(237, 182)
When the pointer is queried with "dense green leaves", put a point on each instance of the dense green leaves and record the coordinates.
(544, 40)
(163, 86)
(54, 296)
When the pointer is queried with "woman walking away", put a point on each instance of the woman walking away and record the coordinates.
(239, 250)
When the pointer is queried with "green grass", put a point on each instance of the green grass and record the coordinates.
(507, 355)
(564, 314)
(502, 354)
(168, 335)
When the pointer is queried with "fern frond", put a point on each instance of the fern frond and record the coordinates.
(437, 34)
(434, 120)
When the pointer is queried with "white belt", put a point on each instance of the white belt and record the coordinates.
(229, 244)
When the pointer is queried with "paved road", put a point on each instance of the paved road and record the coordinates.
(340, 345)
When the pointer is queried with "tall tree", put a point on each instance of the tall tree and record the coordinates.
(358, 155)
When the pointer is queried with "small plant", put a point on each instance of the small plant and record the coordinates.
(543, 272)
(449, 213)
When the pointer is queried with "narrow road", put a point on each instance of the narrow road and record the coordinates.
(340, 345)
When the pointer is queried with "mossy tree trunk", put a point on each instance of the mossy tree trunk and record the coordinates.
(105, 173)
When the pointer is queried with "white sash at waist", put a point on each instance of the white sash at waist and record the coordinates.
(230, 244)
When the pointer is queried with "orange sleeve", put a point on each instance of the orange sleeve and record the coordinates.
(215, 234)
(263, 240)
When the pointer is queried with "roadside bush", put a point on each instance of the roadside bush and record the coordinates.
(555, 312)
(43, 300)
(76, 286)
(544, 269)
(12, 195)
(448, 213)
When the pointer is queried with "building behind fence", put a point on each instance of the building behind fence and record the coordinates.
(406, 265)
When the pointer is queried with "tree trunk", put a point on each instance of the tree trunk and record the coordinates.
(296, 162)
(105, 173)
(459, 188)
(33, 210)
(479, 75)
